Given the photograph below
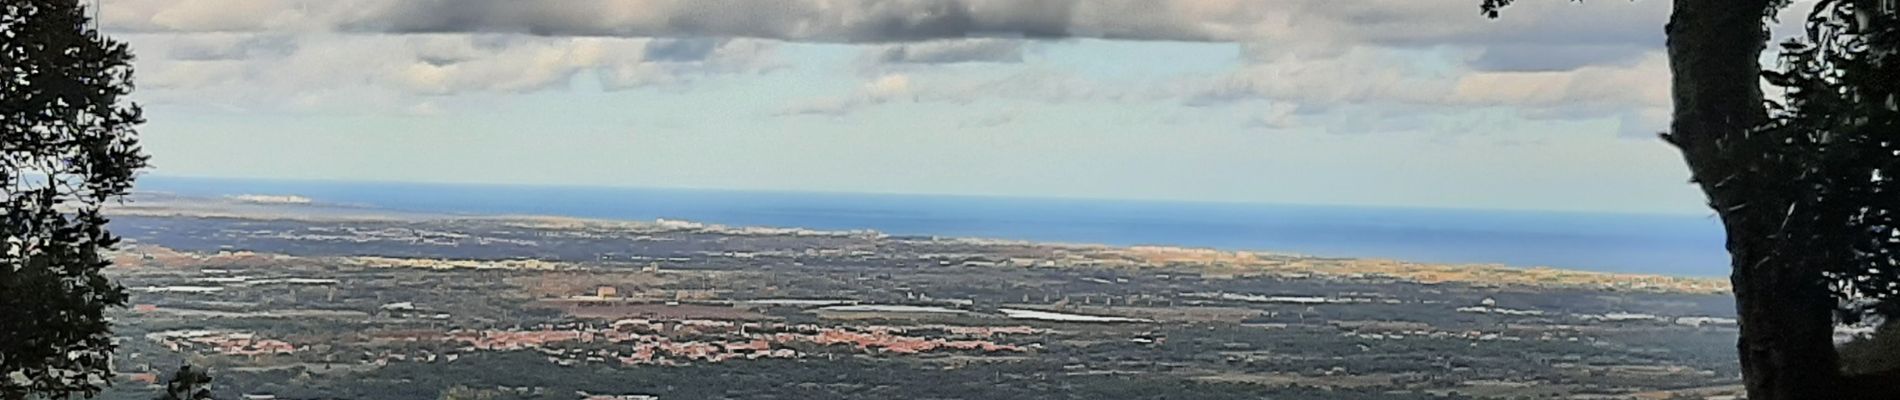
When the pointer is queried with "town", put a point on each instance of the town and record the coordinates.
(282, 302)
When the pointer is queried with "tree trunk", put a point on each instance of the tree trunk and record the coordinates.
(1785, 309)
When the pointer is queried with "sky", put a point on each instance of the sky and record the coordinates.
(1416, 103)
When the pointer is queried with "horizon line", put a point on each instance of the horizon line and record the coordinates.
(1704, 214)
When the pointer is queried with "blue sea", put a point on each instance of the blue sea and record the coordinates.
(1682, 245)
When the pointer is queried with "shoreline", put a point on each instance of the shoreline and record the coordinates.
(1676, 245)
(1212, 260)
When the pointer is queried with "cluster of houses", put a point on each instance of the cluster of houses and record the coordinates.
(230, 343)
(676, 342)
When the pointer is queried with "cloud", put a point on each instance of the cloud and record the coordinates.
(888, 86)
(1031, 85)
(1383, 22)
(1389, 78)
(1276, 116)
(1355, 76)
(423, 109)
(681, 50)
(213, 47)
(1512, 57)
(1320, 55)
(1644, 83)
(950, 52)
(883, 89)
(214, 15)
(305, 70)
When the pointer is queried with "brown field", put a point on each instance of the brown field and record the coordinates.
(569, 283)
(1703, 392)
(896, 316)
(618, 310)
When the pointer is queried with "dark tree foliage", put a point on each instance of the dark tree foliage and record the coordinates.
(1492, 8)
(187, 384)
(67, 147)
(1835, 138)
(1803, 185)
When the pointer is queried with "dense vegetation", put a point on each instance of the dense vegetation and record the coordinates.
(68, 145)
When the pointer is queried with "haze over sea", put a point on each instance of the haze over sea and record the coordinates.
(1683, 245)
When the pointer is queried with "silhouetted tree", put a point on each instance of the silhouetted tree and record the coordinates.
(187, 384)
(1804, 187)
(67, 146)
(1838, 126)
(1833, 138)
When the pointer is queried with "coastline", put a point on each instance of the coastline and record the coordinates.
(1209, 260)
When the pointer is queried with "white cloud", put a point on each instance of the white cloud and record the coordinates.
(1277, 116)
(1383, 22)
(1315, 54)
(222, 67)
(881, 90)
(888, 86)
(1030, 85)
(1370, 76)
(1644, 84)
(949, 52)
(1372, 85)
